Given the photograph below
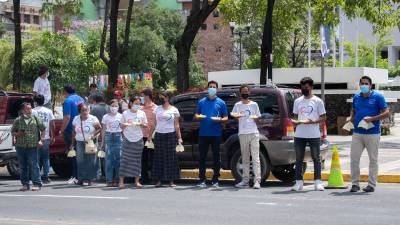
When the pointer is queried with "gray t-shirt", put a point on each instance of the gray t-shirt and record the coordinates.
(99, 110)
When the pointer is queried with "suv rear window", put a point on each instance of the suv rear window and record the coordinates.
(290, 98)
(187, 109)
(14, 106)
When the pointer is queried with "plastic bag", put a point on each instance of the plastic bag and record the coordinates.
(365, 125)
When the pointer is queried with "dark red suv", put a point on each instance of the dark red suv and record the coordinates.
(277, 153)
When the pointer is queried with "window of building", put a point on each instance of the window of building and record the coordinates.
(384, 54)
(216, 26)
(27, 18)
(204, 26)
(36, 20)
(9, 15)
(218, 49)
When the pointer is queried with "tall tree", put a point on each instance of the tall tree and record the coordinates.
(198, 15)
(115, 55)
(17, 71)
(266, 45)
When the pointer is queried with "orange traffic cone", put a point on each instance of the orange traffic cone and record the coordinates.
(335, 180)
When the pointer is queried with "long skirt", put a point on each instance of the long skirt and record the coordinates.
(165, 161)
(87, 164)
(131, 159)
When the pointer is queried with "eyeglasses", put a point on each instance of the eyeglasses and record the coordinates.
(364, 84)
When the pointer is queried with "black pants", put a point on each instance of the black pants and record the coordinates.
(68, 142)
(300, 147)
(147, 159)
(204, 143)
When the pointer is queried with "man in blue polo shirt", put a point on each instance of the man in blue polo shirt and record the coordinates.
(70, 110)
(212, 112)
(368, 106)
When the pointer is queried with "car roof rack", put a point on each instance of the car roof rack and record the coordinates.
(251, 85)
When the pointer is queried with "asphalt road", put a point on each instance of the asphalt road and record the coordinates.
(59, 203)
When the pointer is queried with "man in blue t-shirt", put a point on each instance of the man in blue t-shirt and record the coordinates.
(212, 112)
(369, 106)
(70, 110)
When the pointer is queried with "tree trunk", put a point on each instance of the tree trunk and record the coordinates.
(114, 54)
(266, 46)
(17, 72)
(183, 57)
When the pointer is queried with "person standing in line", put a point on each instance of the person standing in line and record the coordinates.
(132, 123)
(248, 113)
(123, 105)
(309, 111)
(112, 141)
(86, 128)
(148, 107)
(70, 110)
(42, 86)
(165, 166)
(28, 135)
(212, 112)
(369, 106)
(46, 115)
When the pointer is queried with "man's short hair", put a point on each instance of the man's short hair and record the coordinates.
(24, 104)
(39, 99)
(69, 88)
(212, 82)
(148, 92)
(42, 70)
(93, 85)
(97, 97)
(307, 80)
(366, 78)
(243, 86)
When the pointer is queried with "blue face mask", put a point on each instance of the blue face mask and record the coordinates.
(142, 100)
(212, 91)
(364, 89)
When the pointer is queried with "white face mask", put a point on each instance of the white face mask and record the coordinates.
(114, 110)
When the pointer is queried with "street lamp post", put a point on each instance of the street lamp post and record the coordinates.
(240, 32)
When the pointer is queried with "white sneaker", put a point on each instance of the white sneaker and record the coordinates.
(201, 184)
(71, 180)
(298, 186)
(256, 185)
(242, 184)
(215, 185)
(319, 186)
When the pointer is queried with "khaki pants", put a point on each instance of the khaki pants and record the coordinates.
(358, 144)
(249, 144)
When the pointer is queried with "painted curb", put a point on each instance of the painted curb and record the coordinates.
(226, 175)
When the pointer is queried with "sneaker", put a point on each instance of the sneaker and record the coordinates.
(24, 188)
(256, 185)
(242, 184)
(298, 186)
(46, 180)
(354, 188)
(202, 184)
(71, 180)
(215, 185)
(369, 189)
(36, 188)
(319, 186)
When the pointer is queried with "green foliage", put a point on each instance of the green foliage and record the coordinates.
(66, 9)
(6, 63)
(2, 29)
(394, 71)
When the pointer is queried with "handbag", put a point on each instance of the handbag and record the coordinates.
(90, 147)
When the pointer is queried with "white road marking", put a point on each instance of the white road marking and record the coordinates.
(266, 203)
(65, 196)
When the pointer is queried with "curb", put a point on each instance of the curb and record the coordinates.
(226, 175)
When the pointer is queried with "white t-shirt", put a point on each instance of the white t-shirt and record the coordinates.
(46, 115)
(166, 119)
(88, 127)
(246, 124)
(311, 109)
(42, 86)
(133, 133)
(112, 123)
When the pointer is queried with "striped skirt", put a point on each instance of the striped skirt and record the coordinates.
(165, 161)
(87, 164)
(131, 159)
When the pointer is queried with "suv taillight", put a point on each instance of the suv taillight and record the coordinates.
(288, 129)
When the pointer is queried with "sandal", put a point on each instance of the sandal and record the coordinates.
(121, 186)
(139, 186)
(158, 185)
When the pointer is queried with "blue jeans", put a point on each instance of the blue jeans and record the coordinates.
(44, 159)
(300, 147)
(28, 166)
(204, 143)
(113, 143)
(68, 142)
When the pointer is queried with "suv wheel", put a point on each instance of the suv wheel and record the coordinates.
(286, 173)
(13, 168)
(237, 166)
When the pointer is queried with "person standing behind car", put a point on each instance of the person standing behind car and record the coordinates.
(248, 113)
(42, 86)
(28, 133)
(212, 112)
(46, 115)
(148, 108)
(370, 106)
(70, 110)
(112, 141)
(309, 111)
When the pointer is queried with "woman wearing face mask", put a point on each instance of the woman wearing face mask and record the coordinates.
(165, 161)
(133, 120)
(112, 140)
(85, 127)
